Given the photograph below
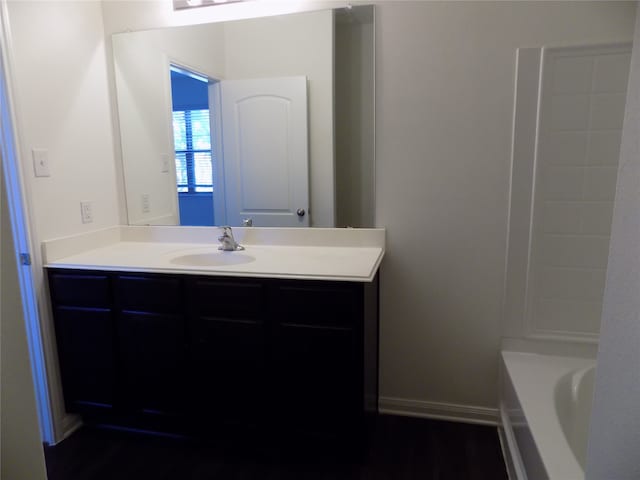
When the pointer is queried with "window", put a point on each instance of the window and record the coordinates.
(192, 139)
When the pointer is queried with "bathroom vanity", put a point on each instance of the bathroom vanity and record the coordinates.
(149, 342)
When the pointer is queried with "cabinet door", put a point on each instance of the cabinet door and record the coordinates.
(85, 335)
(318, 354)
(152, 341)
(152, 349)
(228, 349)
(317, 381)
(85, 339)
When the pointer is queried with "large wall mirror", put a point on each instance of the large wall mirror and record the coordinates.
(263, 122)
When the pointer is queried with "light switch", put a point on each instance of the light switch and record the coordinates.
(41, 162)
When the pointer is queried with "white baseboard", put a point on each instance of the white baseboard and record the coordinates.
(70, 423)
(440, 411)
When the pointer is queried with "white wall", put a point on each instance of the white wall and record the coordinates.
(615, 422)
(445, 85)
(141, 65)
(21, 453)
(63, 106)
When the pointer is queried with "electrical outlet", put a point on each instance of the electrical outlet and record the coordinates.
(146, 203)
(86, 211)
(41, 162)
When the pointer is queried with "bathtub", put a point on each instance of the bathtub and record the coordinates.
(545, 407)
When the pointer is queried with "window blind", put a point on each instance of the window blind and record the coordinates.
(192, 143)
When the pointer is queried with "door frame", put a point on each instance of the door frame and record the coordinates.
(215, 129)
(215, 117)
(27, 253)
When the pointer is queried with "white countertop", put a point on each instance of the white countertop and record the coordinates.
(347, 255)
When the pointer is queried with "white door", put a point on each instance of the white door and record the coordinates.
(265, 151)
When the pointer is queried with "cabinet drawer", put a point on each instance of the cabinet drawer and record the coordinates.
(149, 294)
(315, 304)
(226, 299)
(83, 290)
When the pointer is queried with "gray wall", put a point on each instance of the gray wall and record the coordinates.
(615, 421)
(445, 89)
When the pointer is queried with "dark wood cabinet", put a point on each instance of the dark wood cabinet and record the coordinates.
(86, 338)
(87, 358)
(191, 352)
(229, 351)
(152, 353)
(151, 346)
(318, 330)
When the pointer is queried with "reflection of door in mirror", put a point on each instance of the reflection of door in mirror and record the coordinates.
(265, 152)
(193, 146)
(260, 155)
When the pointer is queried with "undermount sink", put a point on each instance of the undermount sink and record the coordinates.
(212, 259)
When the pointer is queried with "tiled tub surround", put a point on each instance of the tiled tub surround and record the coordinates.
(545, 408)
(569, 114)
(581, 114)
(302, 253)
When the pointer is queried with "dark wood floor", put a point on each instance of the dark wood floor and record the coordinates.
(398, 448)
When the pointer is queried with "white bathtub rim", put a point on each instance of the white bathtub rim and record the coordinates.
(534, 377)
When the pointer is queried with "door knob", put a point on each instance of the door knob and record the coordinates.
(247, 222)
(300, 212)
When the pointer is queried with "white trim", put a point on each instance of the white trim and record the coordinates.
(521, 191)
(562, 336)
(439, 411)
(374, 108)
(533, 206)
(69, 424)
(23, 231)
(170, 220)
(557, 347)
(508, 462)
(215, 127)
(510, 451)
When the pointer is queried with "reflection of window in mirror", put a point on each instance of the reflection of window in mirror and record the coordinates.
(193, 146)
(192, 140)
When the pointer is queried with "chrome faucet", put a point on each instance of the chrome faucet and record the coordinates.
(227, 242)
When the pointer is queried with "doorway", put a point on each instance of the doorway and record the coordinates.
(193, 144)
